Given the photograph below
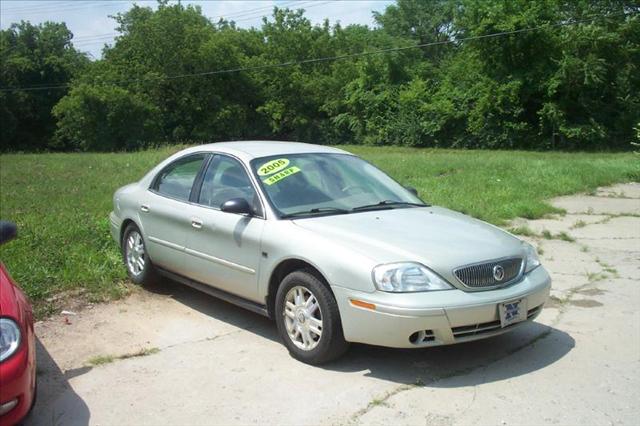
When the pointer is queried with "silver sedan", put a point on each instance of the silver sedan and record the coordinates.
(326, 244)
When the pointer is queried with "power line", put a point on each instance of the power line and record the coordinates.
(66, 8)
(46, 5)
(337, 57)
(98, 38)
(263, 8)
(102, 38)
(79, 5)
(314, 4)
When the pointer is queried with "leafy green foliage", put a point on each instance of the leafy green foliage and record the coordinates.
(571, 83)
(104, 118)
(558, 87)
(135, 75)
(33, 56)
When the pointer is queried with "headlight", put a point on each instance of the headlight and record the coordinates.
(9, 338)
(532, 260)
(407, 277)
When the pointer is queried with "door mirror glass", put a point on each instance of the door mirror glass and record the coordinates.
(238, 206)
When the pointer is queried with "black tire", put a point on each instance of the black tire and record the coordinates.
(147, 276)
(331, 344)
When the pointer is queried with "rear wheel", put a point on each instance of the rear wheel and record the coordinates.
(139, 266)
(308, 319)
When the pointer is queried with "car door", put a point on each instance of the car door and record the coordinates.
(223, 249)
(164, 212)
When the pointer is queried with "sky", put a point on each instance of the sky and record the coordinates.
(91, 26)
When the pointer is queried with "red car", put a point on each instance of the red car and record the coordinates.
(17, 345)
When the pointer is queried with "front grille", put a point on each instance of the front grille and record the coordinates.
(482, 274)
(488, 327)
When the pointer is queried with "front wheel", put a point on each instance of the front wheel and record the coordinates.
(134, 253)
(308, 319)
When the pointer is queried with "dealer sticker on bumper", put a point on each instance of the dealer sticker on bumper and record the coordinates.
(512, 312)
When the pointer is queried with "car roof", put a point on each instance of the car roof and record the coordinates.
(248, 150)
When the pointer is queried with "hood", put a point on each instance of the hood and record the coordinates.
(438, 238)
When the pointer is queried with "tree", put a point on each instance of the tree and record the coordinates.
(163, 75)
(547, 74)
(571, 83)
(422, 22)
(34, 56)
(105, 118)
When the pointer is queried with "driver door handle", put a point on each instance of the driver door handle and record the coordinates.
(196, 223)
(144, 208)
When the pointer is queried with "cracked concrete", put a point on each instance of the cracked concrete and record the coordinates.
(218, 364)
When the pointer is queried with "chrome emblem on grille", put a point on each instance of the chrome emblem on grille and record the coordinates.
(498, 272)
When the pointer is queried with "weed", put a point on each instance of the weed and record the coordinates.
(376, 402)
(524, 231)
(107, 359)
(579, 224)
(565, 237)
(607, 268)
(596, 276)
(101, 360)
(547, 235)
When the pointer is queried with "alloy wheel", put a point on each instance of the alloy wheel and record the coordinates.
(303, 318)
(134, 252)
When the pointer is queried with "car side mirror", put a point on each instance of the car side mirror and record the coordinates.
(8, 231)
(237, 206)
(412, 190)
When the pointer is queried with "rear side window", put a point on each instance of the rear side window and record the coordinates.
(176, 180)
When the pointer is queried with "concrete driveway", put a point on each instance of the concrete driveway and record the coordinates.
(174, 356)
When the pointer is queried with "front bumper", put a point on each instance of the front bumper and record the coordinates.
(17, 383)
(409, 320)
(114, 226)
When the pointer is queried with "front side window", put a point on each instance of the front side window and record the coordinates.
(299, 184)
(225, 179)
(176, 180)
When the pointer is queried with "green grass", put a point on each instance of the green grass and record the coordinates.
(61, 204)
(524, 230)
(499, 185)
(565, 237)
(579, 224)
(107, 359)
(61, 201)
(100, 360)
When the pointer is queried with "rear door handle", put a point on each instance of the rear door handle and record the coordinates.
(196, 223)
(144, 208)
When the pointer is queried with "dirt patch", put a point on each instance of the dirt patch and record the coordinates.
(554, 302)
(585, 303)
(592, 292)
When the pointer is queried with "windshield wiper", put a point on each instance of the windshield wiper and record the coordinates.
(317, 210)
(387, 204)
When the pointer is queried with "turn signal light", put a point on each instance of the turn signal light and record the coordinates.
(361, 304)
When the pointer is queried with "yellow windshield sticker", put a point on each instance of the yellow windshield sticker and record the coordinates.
(281, 175)
(273, 166)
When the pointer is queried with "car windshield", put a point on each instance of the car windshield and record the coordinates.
(300, 185)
